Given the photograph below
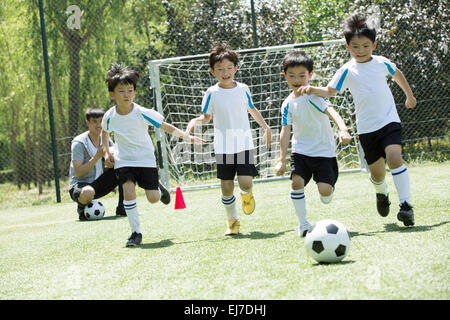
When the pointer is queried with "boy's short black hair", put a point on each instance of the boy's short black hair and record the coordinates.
(222, 51)
(358, 26)
(298, 58)
(120, 74)
(94, 113)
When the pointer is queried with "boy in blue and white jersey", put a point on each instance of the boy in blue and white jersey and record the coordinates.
(377, 120)
(229, 102)
(134, 157)
(313, 144)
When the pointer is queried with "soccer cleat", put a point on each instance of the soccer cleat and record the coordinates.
(383, 204)
(248, 203)
(232, 227)
(81, 216)
(134, 240)
(120, 211)
(303, 229)
(165, 194)
(406, 214)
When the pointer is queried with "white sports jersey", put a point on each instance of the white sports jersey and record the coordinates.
(374, 103)
(232, 133)
(312, 133)
(134, 147)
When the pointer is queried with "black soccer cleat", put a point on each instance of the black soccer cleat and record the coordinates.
(165, 194)
(406, 214)
(81, 216)
(134, 240)
(120, 211)
(383, 204)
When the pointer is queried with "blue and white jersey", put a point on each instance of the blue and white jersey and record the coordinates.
(367, 82)
(312, 134)
(134, 147)
(229, 108)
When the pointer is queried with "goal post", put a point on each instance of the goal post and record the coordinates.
(179, 84)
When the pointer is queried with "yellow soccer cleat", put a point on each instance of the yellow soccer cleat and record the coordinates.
(248, 202)
(232, 227)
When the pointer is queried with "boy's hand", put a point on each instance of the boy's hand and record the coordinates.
(410, 102)
(109, 160)
(280, 168)
(100, 152)
(302, 90)
(344, 137)
(195, 140)
(267, 137)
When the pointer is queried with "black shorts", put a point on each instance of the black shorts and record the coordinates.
(322, 169)
(103, 185)
(146, 178)
(375, 143)
(241, 163)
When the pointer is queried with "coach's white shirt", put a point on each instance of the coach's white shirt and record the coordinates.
(134, 147)
(232, 133)
(312, 134)
(374, 103)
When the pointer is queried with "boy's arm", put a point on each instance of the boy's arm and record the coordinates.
(344, 135)
(167, 127)
(400, 79)
(204, 118)
(81, 169)
(109, 158)
(285, 134)
(260, 120)
(325, 92)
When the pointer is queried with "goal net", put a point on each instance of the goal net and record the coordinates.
(180, 83)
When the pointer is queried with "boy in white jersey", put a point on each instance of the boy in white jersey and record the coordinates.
(230, 102)
(313, 145)
(377, 120)
(134, 157)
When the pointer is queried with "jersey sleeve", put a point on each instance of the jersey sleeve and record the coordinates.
(106, 122)
(207, 106)
(286, 117)
(321, 104)
(77, 151)
(248, 97)
(340, 80)
(152, 117)
(390, 67)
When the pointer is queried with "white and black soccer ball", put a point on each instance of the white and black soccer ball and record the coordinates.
(327, 242)
(94, 210)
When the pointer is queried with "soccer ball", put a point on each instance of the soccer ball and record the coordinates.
(94, 210)
(328, 241)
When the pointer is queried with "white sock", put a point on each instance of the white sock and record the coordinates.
(401, 181)
(132, 214)
(298, 199)
(230, 206)
(380, 187)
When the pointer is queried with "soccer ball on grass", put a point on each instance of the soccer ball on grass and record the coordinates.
(94, 210)
(327, 242)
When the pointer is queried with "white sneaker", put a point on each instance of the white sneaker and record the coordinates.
(302, 230)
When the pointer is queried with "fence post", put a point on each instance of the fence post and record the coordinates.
(49, 100)
(255, 34)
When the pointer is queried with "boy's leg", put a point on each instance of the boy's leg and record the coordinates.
(401, 180)
(248, 201)
(377, 177)
(326, 192)
(326, 173)
(299, 202)
(229, 202)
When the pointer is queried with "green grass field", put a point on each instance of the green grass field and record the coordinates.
(46, 253)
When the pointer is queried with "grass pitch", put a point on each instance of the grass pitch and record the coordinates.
(46, 253)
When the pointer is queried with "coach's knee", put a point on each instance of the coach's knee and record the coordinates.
(86, 195)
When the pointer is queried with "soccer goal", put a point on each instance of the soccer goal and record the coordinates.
(179, 85)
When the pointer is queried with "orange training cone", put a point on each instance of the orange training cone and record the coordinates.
(179, 201)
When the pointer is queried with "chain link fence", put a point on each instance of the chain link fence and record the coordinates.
(84, 37)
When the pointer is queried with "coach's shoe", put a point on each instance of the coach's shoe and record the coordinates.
(248, 202)
(383, 204)
(165, 194)
(120, 211)
(134, 240)
(81, 216)
(232, 227)
(406, 214)
(303, 229)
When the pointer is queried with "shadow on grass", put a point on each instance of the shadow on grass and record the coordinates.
(320, 264)
(393, 227)
(157, 245)
(256, 235)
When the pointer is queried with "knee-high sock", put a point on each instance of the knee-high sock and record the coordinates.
(132, 214)
(230, 206)
(380, 187)
(401, 181)
(298, 199)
